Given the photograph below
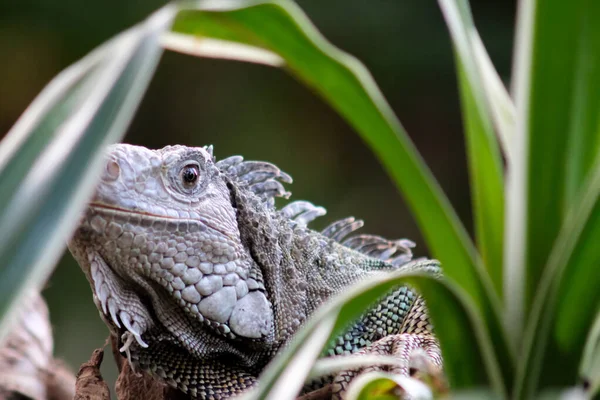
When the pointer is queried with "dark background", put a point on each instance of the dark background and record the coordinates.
(262, 113)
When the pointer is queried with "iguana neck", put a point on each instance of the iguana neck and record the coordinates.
(301, 268)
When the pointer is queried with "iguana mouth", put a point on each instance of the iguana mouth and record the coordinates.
(128, 211)
(118, 210)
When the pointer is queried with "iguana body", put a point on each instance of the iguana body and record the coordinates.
(205, 281)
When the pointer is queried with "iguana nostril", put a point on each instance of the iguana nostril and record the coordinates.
(112, 171)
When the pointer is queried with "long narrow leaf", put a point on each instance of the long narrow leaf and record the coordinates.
(547, 92)
(567, 300)
(584, 130)
(280, 27)
(516, 180)
(36, 127)
(589, 369)
(214, 48)
(289, 381)
(333, 365)
(548, 86)
(485, 163)
(579, 299)
(40, 215)
(502, 106)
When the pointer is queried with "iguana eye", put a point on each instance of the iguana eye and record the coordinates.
(189, 175)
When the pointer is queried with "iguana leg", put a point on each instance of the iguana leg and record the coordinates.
(416, 349)
(418, 356)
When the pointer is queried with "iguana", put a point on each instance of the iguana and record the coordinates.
(203, 280)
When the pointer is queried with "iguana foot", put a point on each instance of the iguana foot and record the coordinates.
(418, 356)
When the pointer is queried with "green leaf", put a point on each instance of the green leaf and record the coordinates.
(502, 106)
(334, 364)
(287, 382)
(567, 300)
(62, 136)
(579, 298)
(589, 370)
(215, 48)
(382, 386)
(553, 230)
(583, 133)
(469, 359)
(281, 28)
(557, 133)
(485, 162)
(474, 394)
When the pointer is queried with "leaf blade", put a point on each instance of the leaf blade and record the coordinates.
(549, 224)
(567, 300)
(485, 164)
(39, 217)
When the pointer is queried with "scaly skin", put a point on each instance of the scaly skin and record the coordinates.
(205, 281)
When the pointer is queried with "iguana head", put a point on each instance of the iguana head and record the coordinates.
(161, 247)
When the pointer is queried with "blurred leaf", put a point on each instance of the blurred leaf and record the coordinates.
(288, 381)
(334, 364)
(549, 70)
(382, 386)
(589, 369)
(583, 133)
(36, 127)
(63, 135)
(502, 106)
(485, 162)
(567, 297)
(214, 48)
(573, 393)
(553, 67)
(469, 359)
(579, 299)
(474, 394)
(282, 28)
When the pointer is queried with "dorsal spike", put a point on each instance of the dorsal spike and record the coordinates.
(296, 208)
(401, 259)
(334, 227)
(269, 188)
(260, 177)
(248, 167)
(227, 163)
(310, 215)
(364, 241)
(347, 229)
(342, 228)
(209, 150)
(396, 252)
(257, 176)
(265, 180)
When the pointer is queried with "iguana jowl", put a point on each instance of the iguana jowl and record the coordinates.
(204, 281)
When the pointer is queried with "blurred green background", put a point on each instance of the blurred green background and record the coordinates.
(262, 113)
